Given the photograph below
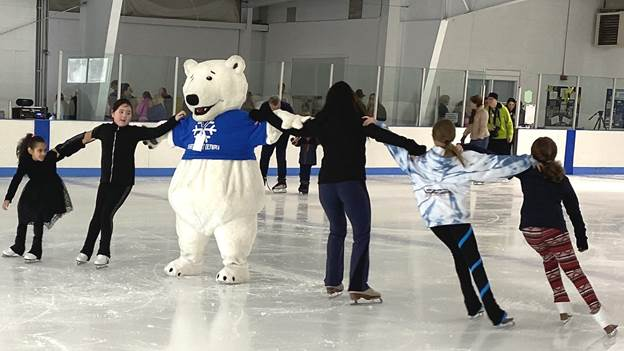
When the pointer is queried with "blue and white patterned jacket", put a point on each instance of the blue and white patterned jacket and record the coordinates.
(442, 184)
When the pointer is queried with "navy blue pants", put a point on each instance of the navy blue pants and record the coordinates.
(341, 200)
(304, 174)
(460, 239)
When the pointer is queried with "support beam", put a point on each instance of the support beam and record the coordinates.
(262, 3)
(41, 53)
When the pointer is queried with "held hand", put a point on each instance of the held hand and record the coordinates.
(459, 148)
(5, 204)
(367, 121)
(295, 141)
(88, 137)
(180, 115)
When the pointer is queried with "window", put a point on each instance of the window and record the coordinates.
(86, 70)
(291, 14)
(355, 9)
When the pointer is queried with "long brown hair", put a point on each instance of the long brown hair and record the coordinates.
(477, 100)
(444, 133)
(544, 151)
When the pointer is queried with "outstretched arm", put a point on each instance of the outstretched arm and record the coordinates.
(72, 145)
(145, 133)
(483, 167)
(310, 128)
(379, 131)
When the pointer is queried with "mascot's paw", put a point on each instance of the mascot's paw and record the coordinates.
(233, 274)
(151, 144)
(291, 121)
(181, 267)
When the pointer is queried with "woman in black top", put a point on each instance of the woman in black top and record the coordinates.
(544, 229)
(119, 141)
(342, 186)
(44, 198)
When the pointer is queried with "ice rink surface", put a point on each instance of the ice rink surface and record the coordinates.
(132, 305)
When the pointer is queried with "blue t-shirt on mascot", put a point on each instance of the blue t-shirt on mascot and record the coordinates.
(233, 135)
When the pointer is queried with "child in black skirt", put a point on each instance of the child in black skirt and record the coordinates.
(44, 198)
(307, 159)
(119, 141)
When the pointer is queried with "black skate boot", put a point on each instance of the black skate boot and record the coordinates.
(304, 188)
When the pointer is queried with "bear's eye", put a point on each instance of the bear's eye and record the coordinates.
(209, 78)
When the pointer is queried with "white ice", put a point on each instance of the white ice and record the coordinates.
(132, 305)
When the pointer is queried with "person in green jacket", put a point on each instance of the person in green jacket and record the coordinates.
(500, 126)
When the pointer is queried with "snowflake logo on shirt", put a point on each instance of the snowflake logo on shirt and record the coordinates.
(208, 129)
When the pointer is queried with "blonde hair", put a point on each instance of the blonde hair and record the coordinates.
(444, 133)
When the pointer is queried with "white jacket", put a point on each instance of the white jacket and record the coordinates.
(442, 184)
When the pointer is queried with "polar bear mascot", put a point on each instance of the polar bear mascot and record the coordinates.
(217, 188)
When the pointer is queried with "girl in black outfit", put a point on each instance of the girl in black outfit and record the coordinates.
(342, 186)
(119, 141)
(44, 198)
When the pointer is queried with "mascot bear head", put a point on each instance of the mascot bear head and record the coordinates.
(214, 87)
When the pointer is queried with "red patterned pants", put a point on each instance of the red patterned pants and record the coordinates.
(556, 250)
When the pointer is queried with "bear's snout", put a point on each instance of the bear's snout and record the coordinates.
(192, 99)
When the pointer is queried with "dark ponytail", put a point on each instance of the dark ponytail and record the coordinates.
(544, 151)
(29, 141)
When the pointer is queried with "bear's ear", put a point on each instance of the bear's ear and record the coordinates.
(236, 63)
(188, 66)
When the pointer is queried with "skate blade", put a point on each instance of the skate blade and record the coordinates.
(477, 315)
(101, 266)
(5, 255)
(365, 300)
(613, 333)
(334, 295)
(279, 191)
(32, 261)
(506, 325)
(566, 321)
(80, 263)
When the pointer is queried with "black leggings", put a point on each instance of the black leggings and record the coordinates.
(20, 239)
(109, 199)
(460, 239)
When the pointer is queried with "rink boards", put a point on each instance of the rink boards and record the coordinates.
(581, 151)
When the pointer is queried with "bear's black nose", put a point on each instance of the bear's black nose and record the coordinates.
(192, 99)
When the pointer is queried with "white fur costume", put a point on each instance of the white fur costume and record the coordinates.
(222, 193)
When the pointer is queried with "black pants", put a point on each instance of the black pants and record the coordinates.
(267, 152)
(460, 239)
(304, 174)
(20, 239)
(350, 198)
(109, 199)
(499, 147)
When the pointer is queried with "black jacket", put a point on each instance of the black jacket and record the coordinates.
(118, 146)
(542, 204)
(344, 143)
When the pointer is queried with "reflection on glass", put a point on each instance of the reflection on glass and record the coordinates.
(98, 67)
(77, 70)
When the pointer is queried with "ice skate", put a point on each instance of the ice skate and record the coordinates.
(304, 188)
(368, 296)
(233, 274)
(101, 261)
(30, 258)
(334, 291)
(279, 188)
(601, 318)
(9, 253)
(565, 312)
(477, 315)
(506, 322)
(82, 259)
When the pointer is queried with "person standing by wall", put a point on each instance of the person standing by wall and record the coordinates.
(500, 126)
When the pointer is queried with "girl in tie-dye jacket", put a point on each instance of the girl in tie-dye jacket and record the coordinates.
(441, 180)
